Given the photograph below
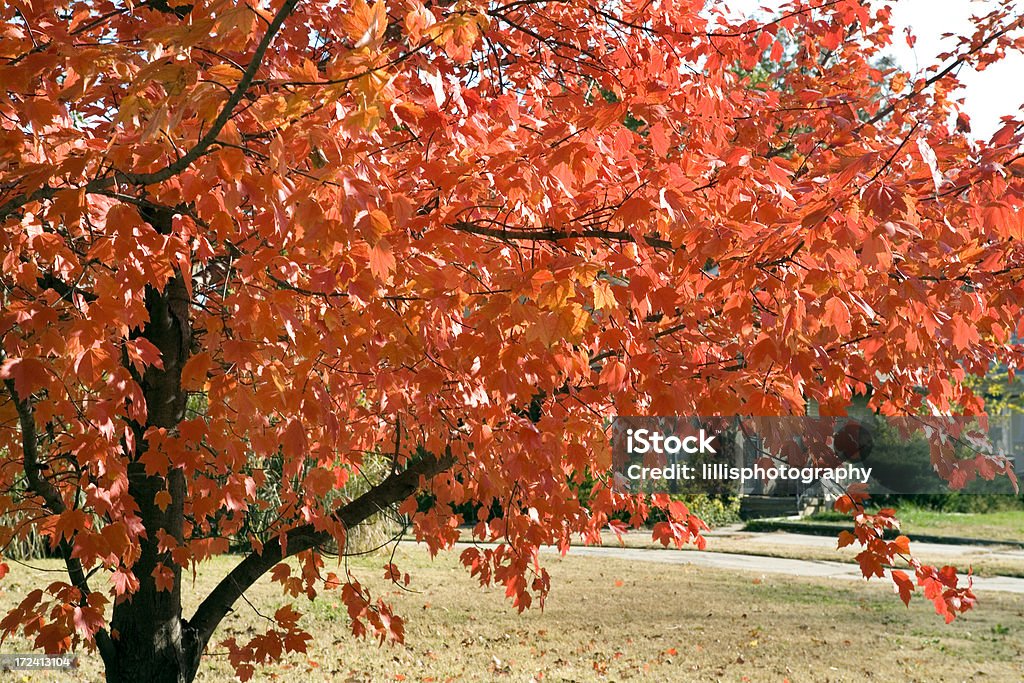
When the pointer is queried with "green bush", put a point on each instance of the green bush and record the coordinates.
(716, 511)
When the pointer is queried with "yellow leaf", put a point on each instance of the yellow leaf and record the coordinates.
(604, 297)
(374, 225)
(365, 25)
(224, 73)
(554, 295)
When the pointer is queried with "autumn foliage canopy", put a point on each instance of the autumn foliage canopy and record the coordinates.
(252, 246)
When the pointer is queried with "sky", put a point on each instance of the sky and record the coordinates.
(990, 94)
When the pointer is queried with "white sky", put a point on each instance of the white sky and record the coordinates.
(988, 95)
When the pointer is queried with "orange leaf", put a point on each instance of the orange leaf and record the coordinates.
(162, 499)
(163, 577)
(382, 260)
(903, 585)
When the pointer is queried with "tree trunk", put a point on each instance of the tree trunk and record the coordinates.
(154, 661)
(149, 639)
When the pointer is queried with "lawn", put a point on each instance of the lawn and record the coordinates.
(1006, 525)
(611, 620)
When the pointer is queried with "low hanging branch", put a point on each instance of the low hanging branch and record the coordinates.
(395, 488)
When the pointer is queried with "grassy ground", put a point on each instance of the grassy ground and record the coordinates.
(610, 620)
(1007, 525)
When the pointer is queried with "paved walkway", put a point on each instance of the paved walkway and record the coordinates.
(795, 567)
(769, 565)
(922, 548)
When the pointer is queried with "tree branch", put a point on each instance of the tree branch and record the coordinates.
(552, 235)
(50, 281)
(395, 488)
(52, 498)
(959, 61)
(210, 137)
(30, 453)
(10, 206)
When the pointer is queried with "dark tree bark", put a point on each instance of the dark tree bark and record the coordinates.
(149, 639)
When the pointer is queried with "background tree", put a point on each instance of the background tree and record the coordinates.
(354, 230)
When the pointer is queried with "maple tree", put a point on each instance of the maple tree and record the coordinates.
(458, 235)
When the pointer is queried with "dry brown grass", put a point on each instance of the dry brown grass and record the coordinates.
(609, 620)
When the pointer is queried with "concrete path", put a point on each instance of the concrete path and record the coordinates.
(922, 548)
(768, 565)
(730, 561)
